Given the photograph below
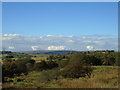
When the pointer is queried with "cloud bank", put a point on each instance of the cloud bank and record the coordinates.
(16, 42)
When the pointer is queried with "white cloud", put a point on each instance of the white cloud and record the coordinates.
(11, 35)
(58, 42)
(56, 48)
(90, 47)
(6, 38)
(70, 36)
(70, 41)
(84, 37)
(87, 41)
(49, 35)
(54, 36)
(34, 47)
(11, 47)
(60, 36)
(41, 37)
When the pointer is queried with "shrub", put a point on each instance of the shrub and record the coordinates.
(76, 70)
(62, 63)
(45, 65)
(25, 60)
(15, 68)
(48, 75)
(80, 58)
(22, 65)
(9, 56)
(51, 64)
(95, 61)
(40, 66)
(8, 70)
(77, 67)
(29, 67)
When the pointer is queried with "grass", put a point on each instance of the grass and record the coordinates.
(104, 68)
(39, 58)
(102, 77)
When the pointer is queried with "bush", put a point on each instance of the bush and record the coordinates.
(40, 66)
(48, 75)
(108, 60)
(62, 63)
(95, 61)
(9, 56)
(76, 70)
(25, 60)
(15, 68)
(51, 64)
(80, 58)
(8, 70)
(22, 65)
(45, 65)
(77, 67)
(29, 67)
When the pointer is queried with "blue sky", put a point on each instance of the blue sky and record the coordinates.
(60, 26)
(38, 19)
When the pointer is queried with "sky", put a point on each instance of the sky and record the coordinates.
(59, 25)
(60, 18)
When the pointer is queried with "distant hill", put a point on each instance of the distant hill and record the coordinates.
(47, 52)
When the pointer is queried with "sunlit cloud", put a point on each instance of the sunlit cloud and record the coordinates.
(11, 35)
(11, 47)
(56, 48)
(34, 47)
(90, 47)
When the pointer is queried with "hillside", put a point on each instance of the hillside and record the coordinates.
(47, 52)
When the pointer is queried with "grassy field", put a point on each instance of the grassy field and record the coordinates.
(102, 77)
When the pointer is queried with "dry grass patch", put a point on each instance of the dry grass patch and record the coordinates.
(107, 78)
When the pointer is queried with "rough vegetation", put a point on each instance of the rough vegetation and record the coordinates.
(72, 70)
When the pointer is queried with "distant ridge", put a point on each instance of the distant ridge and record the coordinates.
(47, 52)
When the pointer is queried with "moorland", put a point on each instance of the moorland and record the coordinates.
(90, 69)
